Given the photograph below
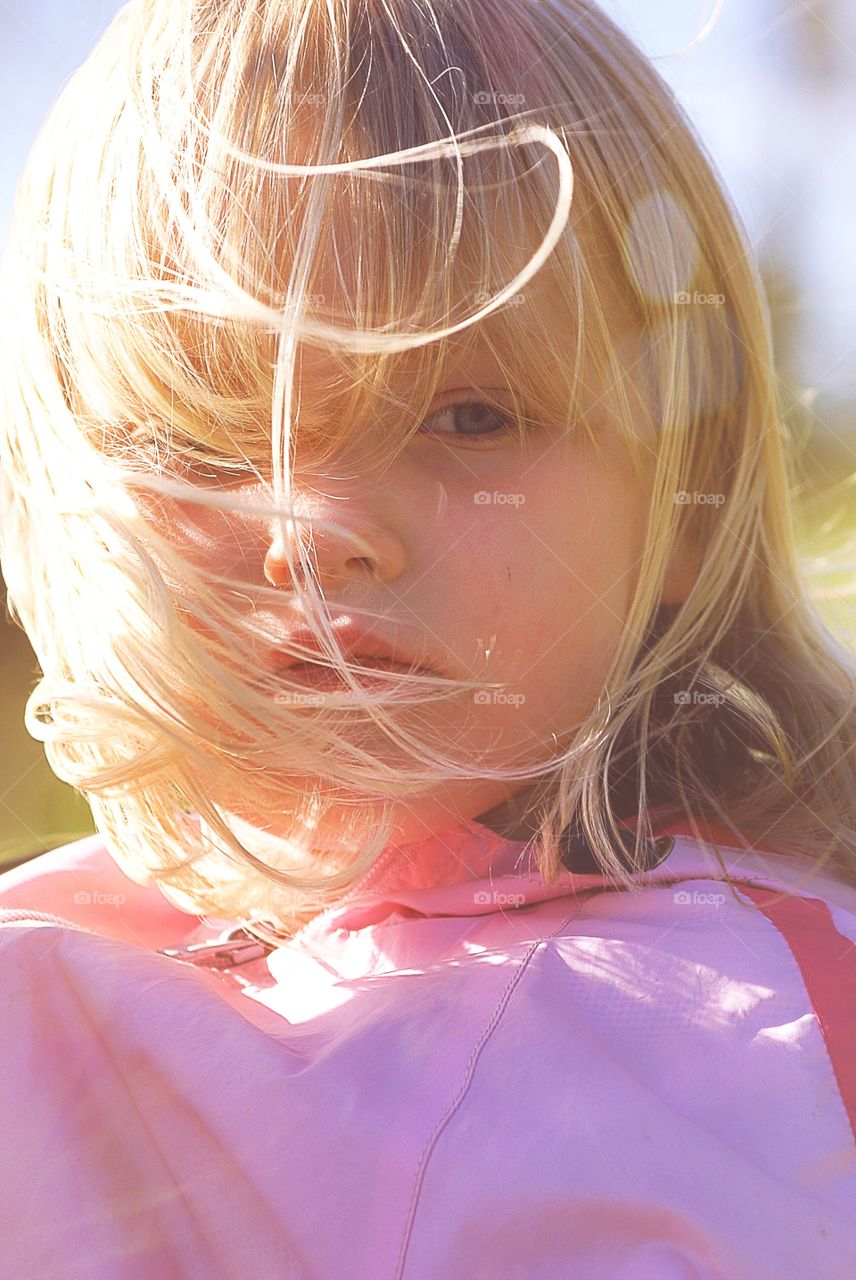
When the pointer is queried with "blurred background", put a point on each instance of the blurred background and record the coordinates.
(771, 87)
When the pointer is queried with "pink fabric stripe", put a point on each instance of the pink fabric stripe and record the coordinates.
(827, 962)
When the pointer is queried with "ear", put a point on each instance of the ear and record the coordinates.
(681, 571)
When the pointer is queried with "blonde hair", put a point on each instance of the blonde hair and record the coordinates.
(161, 271)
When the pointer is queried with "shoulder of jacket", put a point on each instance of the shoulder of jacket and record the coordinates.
(80, 884)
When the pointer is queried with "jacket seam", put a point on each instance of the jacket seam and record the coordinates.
(469, 1074)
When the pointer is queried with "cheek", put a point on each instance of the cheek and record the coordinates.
(213, 541)
(559, 578)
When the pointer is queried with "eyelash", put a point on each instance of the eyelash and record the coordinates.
(192, 467)
(509, 421)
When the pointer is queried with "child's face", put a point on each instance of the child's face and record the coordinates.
(531, 552)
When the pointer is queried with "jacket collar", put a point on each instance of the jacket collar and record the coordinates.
(469, 870)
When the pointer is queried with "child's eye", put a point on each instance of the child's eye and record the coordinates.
(472, 421)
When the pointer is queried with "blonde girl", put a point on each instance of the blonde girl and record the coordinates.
(394, 483)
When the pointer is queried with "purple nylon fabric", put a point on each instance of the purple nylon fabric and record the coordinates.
(456, 1072)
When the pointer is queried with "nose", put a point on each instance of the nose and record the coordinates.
(338, 559)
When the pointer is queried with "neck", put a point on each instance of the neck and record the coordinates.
(510, 819)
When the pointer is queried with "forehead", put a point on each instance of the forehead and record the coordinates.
(380, 250)
(348, 286)
(319, 369)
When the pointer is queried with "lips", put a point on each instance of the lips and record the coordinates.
(312, 673)
(357, 644)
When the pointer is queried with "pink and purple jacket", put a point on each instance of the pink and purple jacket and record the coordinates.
(457, 1072)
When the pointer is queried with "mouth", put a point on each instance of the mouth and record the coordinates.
(316, 676)
(378, 655)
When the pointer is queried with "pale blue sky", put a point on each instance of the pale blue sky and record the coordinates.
(784, 144)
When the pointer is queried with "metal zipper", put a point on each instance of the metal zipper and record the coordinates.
(226, 952)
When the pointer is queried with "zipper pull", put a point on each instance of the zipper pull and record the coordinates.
(235, 948)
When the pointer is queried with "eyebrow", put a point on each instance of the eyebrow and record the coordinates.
(481, 360)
